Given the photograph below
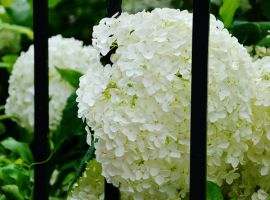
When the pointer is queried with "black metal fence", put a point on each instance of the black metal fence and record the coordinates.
(41, 146)
(198, 99)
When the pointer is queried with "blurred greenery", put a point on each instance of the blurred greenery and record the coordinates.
(227, 11)
(75, 18)
(16, 176)
(69, 148)
(247, 20)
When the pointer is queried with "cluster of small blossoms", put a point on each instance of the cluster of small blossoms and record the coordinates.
(132, 6)
(91, 185)
(255, 175)
(139, 105)
(63, 53)
(259, 150)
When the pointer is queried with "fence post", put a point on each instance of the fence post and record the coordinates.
(111, 192)
(200, 37)
(41, 99)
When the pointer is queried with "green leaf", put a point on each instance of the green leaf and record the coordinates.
(12, 192)
(71, 76)
(227, 11)
(90, 154)
(6, 3)
(70, 124)
(18, 148)
(8, 61)
(70, 134)
(249, 33)
(2, 128)
(4, 65)
(213, 192)
(15, 174)
(3, 197)
(10, 58)
(53, 3)
(265, 42)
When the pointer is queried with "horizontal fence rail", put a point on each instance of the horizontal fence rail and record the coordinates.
(41, 99)
(198, 126)
(111, 192)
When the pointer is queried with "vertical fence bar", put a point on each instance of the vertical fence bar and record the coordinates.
(111, 192)
(200, 38)
(41, 147)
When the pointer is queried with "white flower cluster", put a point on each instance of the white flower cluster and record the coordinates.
(261, 77)
(91, 185)
(254, 181)
(136, 6)
(139, 106)
(63, 53)
(258, 152)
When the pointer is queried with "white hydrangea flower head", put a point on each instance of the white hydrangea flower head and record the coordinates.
(139, 106)
(262, 81)
(66, 53)
(91, 185)
(256, 172)
(258, 166)
(132, 6)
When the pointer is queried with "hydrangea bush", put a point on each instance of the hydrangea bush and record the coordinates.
(143, 105)
(64, 53)
(138, 104)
